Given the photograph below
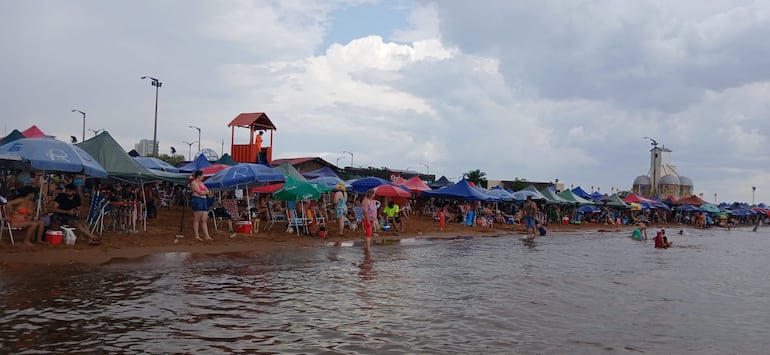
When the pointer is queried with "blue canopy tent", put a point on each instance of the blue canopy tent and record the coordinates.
(362, 185)
(582, 193)
(597, 196)
(501, 193)
(589, 209)
(322, 172)
(461, 190)
(687, 208)
(199, 163)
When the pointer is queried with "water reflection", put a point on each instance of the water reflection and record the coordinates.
(571, 292)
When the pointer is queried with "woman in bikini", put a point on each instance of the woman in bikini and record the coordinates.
(199, 205)
(370, 215)
(20, 213)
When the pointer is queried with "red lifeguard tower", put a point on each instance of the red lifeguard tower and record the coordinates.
(247, 153)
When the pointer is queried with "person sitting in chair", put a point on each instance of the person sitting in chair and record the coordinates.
(393, 216)
(65, 207)
(20, 212)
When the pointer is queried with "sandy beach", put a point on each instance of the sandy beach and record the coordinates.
(162, 231)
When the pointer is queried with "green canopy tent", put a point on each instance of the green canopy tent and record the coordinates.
(552, 198)
(614, 201)
(14, 135)
(289, 170)
(570, 196)
(226, 159)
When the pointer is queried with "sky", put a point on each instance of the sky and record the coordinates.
(537, 90)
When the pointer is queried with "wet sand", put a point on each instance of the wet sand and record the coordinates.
(162, 231)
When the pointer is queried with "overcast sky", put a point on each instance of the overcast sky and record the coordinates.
(536, 89)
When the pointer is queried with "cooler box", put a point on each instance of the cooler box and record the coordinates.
(54, 237)
(565, 220)
(243, 227)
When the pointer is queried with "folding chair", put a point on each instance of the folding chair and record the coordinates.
(273, 218)
(5, 223)
(99, 208)
(297, 222)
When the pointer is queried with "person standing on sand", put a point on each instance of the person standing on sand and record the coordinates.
(530, 211)
(199, 205)
(370, 215)
(340, 205)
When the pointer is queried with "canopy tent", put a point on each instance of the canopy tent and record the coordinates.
(198, 164)
(133, 153)
(156, 164)
(687, 208)
(33, 132)
(325, 171)
(243, 174)
(670, 199)
(597, 196)
(328, 181)
(118, 163)
(589, 209)
(529, 191)
(636, 198)
(226, 159)
(552, 198)
(461, 190)
(499, 192)
(362, 185)
(415, 184)
(14, 135)
(391, 191)
(582, 193)
(692, 200)
(441, 182)
(570, 196)
(614, 201)
(289, 170)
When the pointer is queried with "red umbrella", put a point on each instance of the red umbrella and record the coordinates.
(213, 169)
(391, 191)
(416, 185)
(266, 189)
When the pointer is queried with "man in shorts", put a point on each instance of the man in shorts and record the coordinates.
(65, 210)
(530, 211)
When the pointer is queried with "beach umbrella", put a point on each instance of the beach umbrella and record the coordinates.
(295, 190)
(710, 208)
(49, 154)
(213, 169)
(243, 174)
(391, 191)
(633, 206)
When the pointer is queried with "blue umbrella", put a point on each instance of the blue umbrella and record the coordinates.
(156, 164)
(243, 174)
(49, 154)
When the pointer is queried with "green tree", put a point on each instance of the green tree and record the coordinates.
(171, 159)
(477, 177)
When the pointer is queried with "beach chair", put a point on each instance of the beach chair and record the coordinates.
(470, 218)
(100, 206)
(296, 221)
(5, 224)
(358, 212)
(273, 217)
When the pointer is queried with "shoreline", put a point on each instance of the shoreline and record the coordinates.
(161, 235)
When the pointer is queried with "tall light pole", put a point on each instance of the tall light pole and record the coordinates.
(189, 149)
(338, 161)
(654, 188)
(753, 190)
(199, 137)
(427, 166)
(351, 158)
(84, 123)
(157, 84)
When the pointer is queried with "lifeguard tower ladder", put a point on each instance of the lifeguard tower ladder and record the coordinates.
(247, 153)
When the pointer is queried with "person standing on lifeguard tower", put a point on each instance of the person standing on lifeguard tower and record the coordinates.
(258, 142)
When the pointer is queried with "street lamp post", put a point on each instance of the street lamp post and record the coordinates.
(199, 137)
(753, 190)
(84, 123)
(157, 84)
(189, 149)
(427, 167)
(351, 158)
(338, 161)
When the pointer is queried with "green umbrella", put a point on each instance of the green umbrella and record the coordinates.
(294, 190)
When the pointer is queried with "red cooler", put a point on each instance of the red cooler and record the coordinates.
(54, 237)
(243, 227)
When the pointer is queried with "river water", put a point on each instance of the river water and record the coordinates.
(576, 293)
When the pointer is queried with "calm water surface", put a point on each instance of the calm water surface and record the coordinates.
(577, 293)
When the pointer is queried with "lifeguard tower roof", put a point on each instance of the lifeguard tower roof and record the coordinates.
(257, 120)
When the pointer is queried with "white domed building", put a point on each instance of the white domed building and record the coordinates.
(662, 179)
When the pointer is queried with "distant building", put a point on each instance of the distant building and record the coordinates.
(144, 147)
(662, 179)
